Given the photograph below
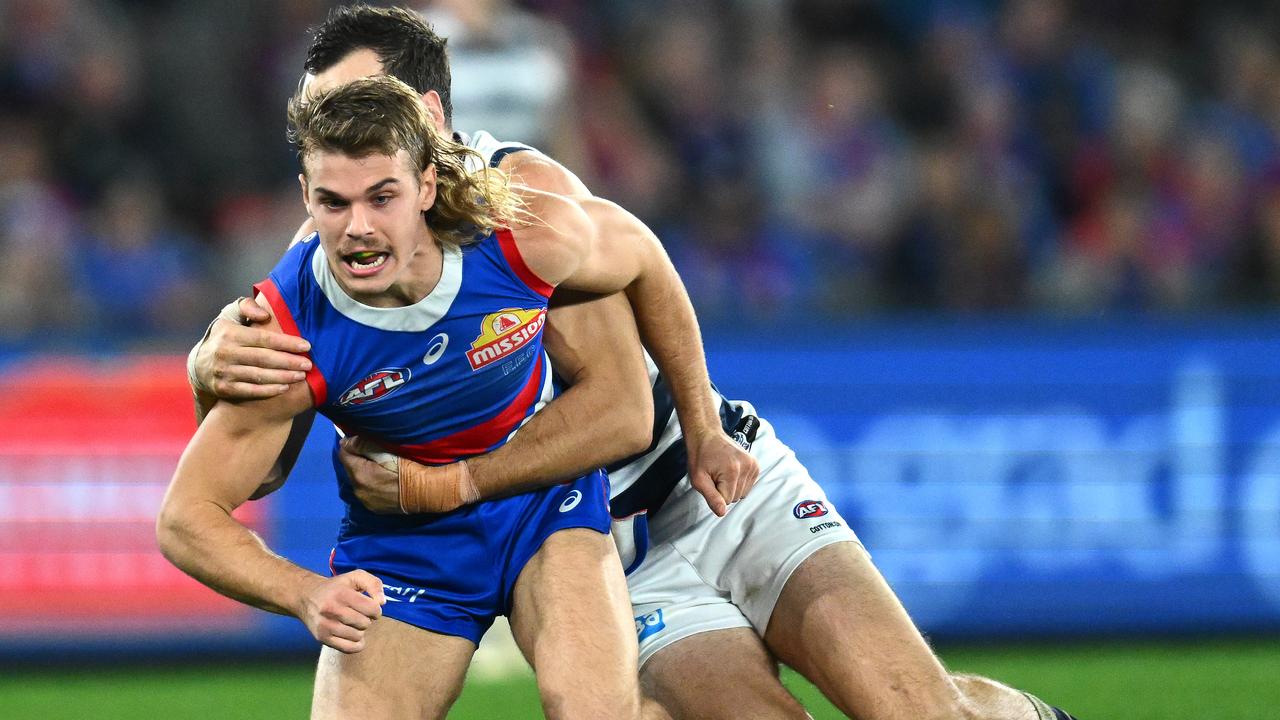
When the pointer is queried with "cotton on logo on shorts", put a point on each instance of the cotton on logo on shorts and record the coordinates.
(809, 509)
(650, 624)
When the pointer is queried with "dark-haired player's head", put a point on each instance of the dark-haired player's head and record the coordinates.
(358, 41)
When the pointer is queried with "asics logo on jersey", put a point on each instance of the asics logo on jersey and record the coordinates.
(650, 624)
(571, 500)
(437, 347)
(502, 333)
(809, 509)
(375, 386)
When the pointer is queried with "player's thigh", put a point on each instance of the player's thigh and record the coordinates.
(572, 619)
(718, 675)
(839, 624)
(403, 671)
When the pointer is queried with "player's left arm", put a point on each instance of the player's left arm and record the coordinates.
(593, 245)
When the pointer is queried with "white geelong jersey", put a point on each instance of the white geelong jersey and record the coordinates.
(642, 482)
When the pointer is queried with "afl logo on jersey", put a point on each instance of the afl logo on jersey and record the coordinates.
(375, 386)
(809, 509)
(503, 333)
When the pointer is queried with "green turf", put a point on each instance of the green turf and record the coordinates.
(1219, 680)
(1237, 680)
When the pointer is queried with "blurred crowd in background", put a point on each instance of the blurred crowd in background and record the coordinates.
(801, 159)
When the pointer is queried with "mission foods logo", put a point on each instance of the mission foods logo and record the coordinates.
(503, 333)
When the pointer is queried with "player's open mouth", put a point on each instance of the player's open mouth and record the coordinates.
(365, 262)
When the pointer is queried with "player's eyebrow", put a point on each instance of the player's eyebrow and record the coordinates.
(327, 193)
(378, 185)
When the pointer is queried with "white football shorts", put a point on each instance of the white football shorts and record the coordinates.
(704, 573)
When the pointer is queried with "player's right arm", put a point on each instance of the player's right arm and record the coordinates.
(228, 459)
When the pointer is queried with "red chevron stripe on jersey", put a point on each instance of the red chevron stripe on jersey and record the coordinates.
(478, 439)
(315, 380)
(511, 252)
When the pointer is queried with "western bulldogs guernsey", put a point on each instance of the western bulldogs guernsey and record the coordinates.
(641, 483)
(451, 376)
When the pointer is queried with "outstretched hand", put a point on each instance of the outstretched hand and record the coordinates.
(239, 361)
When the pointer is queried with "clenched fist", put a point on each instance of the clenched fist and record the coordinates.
(339, 609)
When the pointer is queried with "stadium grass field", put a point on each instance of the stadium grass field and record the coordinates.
(1176, 680)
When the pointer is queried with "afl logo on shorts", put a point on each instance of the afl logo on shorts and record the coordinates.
(571, 501)
(809, 509)
(375, 386)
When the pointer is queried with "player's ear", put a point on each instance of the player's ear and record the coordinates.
(435, 108)
(302, 181)
(427, 188)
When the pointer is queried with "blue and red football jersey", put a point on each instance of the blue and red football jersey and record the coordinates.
(446, 378)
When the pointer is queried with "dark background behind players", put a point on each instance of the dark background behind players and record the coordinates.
(837, 158)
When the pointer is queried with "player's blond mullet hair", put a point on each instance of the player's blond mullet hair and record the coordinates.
(381, 116)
